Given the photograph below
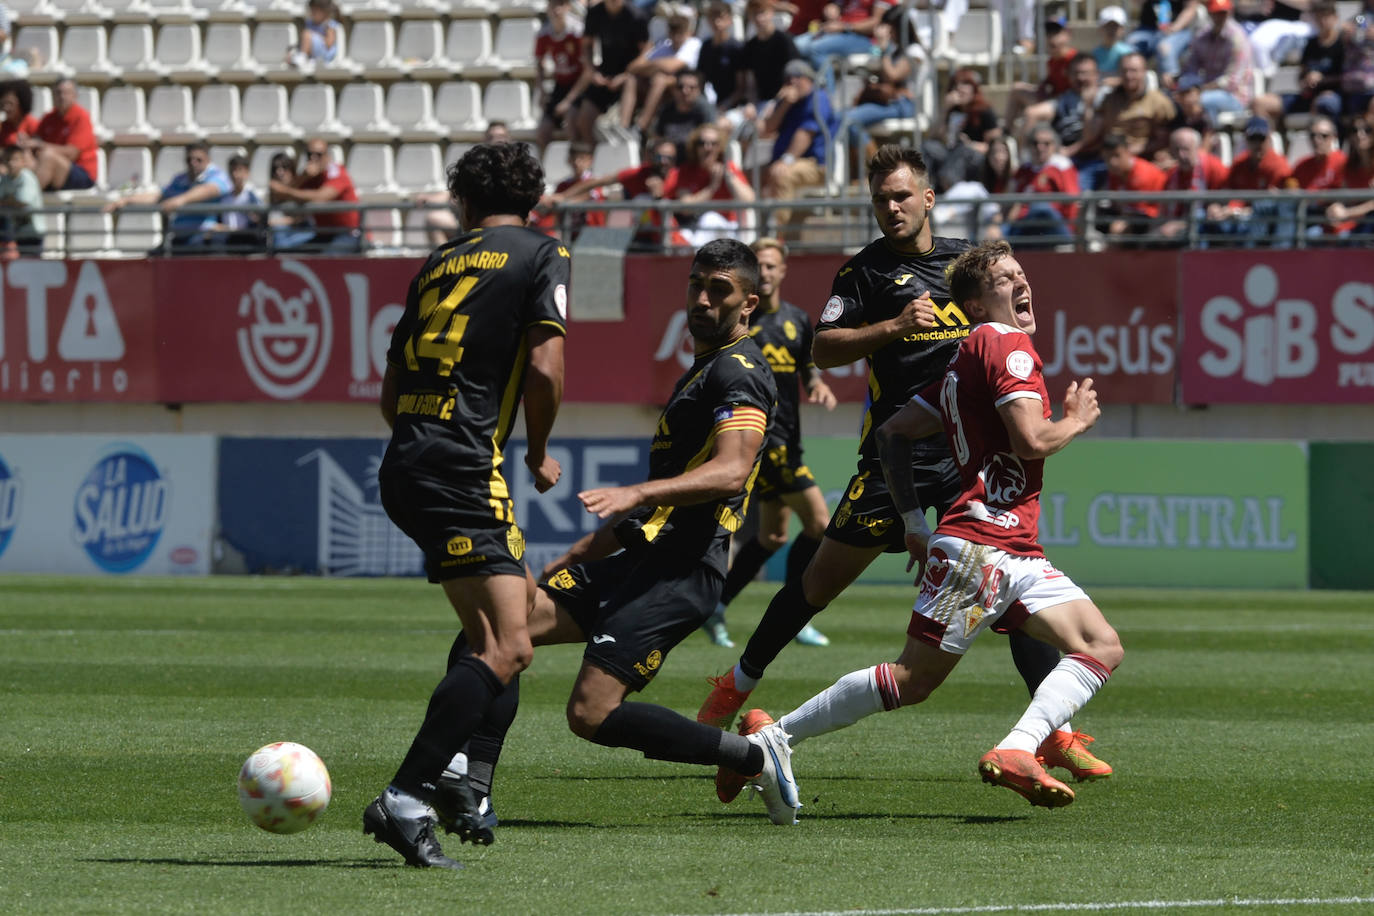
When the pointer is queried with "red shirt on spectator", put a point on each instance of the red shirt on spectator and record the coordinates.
(1357, 179)
(1210, 176)
(1058, 176)
(1145, 176)
(689, 179)
(1057, 80)
(1317, 172)
(564, 50)
(9, 131)
(336, 176)
(72, 128)
(1247, 175)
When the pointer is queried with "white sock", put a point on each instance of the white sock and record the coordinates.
(403, 804)
(458, 766)
(1061, 694)
(743, 682)
(851, 698)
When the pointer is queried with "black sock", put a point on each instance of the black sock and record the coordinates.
(456, 708)
(484, 747)
(661, 734)
(799, 556)
(787, 614)
(459, 649)
(1034, 659)
(748, 562)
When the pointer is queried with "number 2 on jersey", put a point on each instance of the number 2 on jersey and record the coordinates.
(444, 328)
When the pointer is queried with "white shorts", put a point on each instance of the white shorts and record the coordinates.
(969, 587)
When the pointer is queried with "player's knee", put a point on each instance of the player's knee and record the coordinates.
(772, 540)
(911, 686)
(583, 719)
(1108, 650)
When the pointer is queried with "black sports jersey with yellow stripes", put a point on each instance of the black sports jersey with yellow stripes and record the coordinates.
(875, 285)
(784, 335)
(728, 388)
(460, 350)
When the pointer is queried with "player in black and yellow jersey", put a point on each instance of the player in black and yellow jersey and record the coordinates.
(640, 584)
(482, 328)
(890, 304)
(785, 485)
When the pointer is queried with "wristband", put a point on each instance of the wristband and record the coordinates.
(915, 521)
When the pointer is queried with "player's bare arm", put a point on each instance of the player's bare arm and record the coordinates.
(895, 439)
(1032, 436)
(543, 393)
(839, 346)
(723, 474)
(818, 392)
(388, 396)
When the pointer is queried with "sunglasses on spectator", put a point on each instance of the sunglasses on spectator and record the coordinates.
(1321, 135)
(315, 154)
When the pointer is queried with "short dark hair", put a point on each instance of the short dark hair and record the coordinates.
(890, 157)
(198, 146)
(734, 256)
(10, 152)
(968, 275)
(1113, 142)
(238, 161)
(497, 178)
(23, 94)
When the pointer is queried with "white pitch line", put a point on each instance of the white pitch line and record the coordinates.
(1081, 907)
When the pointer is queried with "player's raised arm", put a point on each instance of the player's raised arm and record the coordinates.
(1033, 436)
(837, 346)
(543, 394)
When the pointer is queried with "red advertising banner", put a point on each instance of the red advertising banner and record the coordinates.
(1277, 327)
(278, 329)
(77, 331)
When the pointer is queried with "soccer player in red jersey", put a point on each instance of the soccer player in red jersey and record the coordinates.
(984, 566)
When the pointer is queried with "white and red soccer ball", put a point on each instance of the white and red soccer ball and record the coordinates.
(284, 787)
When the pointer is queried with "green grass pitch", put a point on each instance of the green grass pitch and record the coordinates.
(1240, 727)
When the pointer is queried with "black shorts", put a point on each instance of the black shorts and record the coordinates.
(782, 471)
(559, 94)
(459, 531)
(866, 516)
(633, 611)
(603, 97)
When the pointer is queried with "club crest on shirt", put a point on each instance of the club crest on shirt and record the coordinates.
(515, 542)
(1020, 364)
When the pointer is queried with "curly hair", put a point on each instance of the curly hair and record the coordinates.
(969, 273)
(497, 178)
(736, 257)
(23, 94)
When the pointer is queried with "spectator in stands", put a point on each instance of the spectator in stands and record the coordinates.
(1047, 171)
(1323, 62)
(1111, 32)
(1176, 36)
(1350, 216)
(11, 66)
(324, 181)
(1322, 170)
(319, 37)
(1018, 17)
(441, 214)
(557, 47)
(1194, 170)
(843, 30)
(953, 216)
(240, 230)
(722, 60)
(1357, 84)
(621, 33)
(1156, 19)
(644, 183)
(800, 124)
(1259, 168)
(1036, 103)
(1132, 109)
(21, 228)
(687, 110)
(580, 158)
(1276, 29)
(1126, 171)
(288, 225)
(1187, 97)
(707, 174)
(887, 94)
(1075, 110)
(955, 147)
(16, 103)
(1220, 55)
(765, 56)
(659, 66)
(64, 145)
(203, 182)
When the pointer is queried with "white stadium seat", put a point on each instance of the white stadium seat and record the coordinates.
(363, 10)
(420, 43)
(556, 163)
(88, 97)
(473, 9)
(81, 12)
(509, 101)
(517, 9)
(137, 231)
(265, 109)
(261, 163)
(229, 51)
(455, 152)
(129, 168)
(411, 105)
(469, 47)
(373, 169)
(978, 40)
(40, 42)
(124, 113)
(88, 231)
(42, 101)
(362, 109)
(169, 163)
(178, 50)
(420, 167)
(175, 11)
(458, 106)
(129, 10)
(222, 10)
(382, 227)
(218, 113)
(133, 53)
(85, 51)
(515, 47)
(374, 51)
(312, 111)
(426, 9)
(171, 114)
(614, 157)
(271, 42)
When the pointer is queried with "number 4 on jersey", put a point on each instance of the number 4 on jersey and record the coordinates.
(443, 329)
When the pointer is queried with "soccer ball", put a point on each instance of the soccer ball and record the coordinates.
(284, 787)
